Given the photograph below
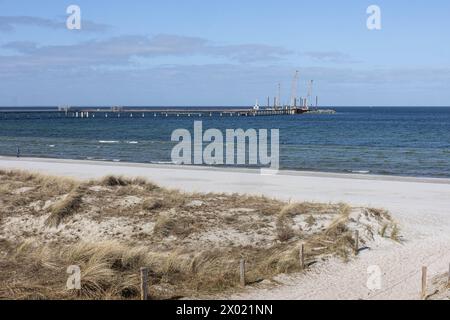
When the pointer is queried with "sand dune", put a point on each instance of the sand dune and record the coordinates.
(420, 206)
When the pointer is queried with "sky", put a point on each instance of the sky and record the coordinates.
(227, 53)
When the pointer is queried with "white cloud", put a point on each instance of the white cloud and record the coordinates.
(10, 23)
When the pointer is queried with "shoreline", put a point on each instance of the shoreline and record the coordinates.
(268, 171)
(420, 206)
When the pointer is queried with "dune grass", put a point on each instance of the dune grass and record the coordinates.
(182, 243)
(64, 208)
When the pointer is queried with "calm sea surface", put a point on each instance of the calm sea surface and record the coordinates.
(396, 141)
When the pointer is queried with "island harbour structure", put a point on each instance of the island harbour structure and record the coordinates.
(297, 105)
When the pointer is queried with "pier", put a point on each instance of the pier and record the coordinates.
(120, 112)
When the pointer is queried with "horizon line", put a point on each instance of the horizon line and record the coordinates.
(222, 106)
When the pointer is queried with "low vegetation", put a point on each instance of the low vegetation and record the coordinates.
(191, 243)
(439, 287)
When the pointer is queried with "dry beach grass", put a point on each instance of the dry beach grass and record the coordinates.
(191, 243)
(439, 287)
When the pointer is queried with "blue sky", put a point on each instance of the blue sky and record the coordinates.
(201, 52)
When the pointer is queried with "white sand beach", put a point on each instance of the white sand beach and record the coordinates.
(420, 206)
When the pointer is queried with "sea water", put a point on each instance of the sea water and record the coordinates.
(400, 141)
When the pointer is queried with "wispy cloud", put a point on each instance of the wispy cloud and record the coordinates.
(10, 23)
(330, 56)
(119, 51)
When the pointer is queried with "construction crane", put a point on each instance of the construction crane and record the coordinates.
(309, 97)
(294, 89)
(278, 103)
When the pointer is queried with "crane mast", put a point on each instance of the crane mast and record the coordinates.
(278, 103)
(309, 97)
(294, 89)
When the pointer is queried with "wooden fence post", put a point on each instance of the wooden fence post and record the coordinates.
(302, 256)
(424, 283)
(144, 284)
(242, 272)
(448, 280)
(356, 242)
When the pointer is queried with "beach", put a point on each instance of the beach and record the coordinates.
(419, 205)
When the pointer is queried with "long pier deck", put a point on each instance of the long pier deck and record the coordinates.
(73, 112)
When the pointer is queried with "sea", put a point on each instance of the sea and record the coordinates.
(400, 141)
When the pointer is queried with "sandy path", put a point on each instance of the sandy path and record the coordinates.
(421, 206)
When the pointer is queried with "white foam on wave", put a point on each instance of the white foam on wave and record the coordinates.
(132, 142)
(108, 141)
(361, 171)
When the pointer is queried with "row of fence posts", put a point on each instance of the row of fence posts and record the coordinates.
(424, 291)
(302, 254)
(242, 272)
